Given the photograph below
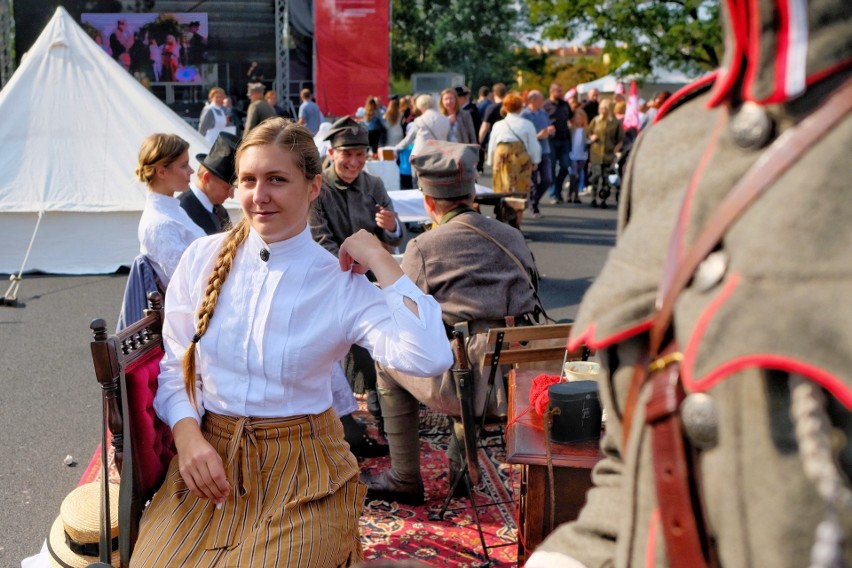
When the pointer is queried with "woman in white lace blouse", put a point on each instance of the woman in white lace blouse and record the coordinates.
(165, 230)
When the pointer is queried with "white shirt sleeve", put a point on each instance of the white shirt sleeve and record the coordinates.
(530, 140)
(543, 559)
(171, 402)
(404, 341)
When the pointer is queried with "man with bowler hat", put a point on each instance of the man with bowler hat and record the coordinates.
(480, 271)
(351, 200)
(212, 186)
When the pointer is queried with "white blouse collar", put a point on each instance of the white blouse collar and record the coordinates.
(281, 249)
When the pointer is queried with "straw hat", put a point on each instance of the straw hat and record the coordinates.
(75, 534)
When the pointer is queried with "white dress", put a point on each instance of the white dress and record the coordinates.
(165, 230)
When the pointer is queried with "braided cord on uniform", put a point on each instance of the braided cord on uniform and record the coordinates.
(813, 433)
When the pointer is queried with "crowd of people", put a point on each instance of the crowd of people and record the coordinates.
(140, 53)
(272, 322)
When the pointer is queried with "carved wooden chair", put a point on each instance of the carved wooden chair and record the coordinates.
(127, 365)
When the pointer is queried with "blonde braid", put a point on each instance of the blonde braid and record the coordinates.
(211, 296)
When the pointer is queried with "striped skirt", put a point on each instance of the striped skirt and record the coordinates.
(295, 500)
(512, 169)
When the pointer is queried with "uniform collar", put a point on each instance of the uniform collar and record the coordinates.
(775, 49)
(338, 183)
(450, 215)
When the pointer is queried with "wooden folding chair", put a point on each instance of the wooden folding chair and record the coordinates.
(127, 365)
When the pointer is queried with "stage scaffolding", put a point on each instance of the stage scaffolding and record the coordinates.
(7, 39)
(282, 52)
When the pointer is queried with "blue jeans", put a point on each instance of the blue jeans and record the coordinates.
(559, 154)
(541, 181)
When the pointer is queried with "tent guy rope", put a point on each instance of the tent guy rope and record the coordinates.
(11, 296)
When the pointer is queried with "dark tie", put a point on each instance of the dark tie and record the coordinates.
(222, 217)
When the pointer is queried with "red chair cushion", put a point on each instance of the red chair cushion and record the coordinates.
(153, 445)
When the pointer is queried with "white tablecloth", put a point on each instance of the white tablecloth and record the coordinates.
(387, 170)
(408, 203)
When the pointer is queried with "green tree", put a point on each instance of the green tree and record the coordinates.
(479, 38)
(673, 34)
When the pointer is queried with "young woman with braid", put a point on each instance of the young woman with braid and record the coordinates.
(255, 321)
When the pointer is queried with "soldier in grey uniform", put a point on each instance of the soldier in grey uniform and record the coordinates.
(753, 344)
(480, 271)
(351, 200)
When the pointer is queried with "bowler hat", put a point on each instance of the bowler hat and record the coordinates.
(462, 91)
(347, 133)
(75, 535)
(220, 160)
(446, 170)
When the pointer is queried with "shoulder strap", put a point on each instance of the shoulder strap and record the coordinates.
(514, 258)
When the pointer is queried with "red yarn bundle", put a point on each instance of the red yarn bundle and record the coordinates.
(539, 397)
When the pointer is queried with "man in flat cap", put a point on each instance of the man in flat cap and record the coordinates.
(480, 271)
(351, 200)
(258, 110)
(212, 186)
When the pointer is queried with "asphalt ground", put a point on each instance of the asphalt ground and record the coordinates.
(50, 400)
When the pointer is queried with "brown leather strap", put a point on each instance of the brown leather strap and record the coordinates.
(794, 142)
(678, 496)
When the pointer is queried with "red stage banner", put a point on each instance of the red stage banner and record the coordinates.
(352, 53)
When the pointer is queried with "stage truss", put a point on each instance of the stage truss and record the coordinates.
(7, 37)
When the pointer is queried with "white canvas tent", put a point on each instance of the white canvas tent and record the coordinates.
(73, 122)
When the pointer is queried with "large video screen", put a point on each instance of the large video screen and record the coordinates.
(155, 48)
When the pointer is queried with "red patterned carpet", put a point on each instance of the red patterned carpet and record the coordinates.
(395, 531)
(391, 531)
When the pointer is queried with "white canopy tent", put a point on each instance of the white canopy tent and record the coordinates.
(657, 78)
(73, 122)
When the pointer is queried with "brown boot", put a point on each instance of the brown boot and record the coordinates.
(388, 486)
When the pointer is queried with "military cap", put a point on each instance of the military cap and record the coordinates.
(347, 133)
(446, 170)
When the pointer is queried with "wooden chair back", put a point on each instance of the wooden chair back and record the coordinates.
(127, 365)
(518, 346)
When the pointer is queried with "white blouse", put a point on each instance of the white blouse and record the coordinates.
(280, 326)
(513, 128)
(165, 230)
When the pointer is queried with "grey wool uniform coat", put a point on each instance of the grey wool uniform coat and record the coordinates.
(778, 304)
(474, 281)
(344, 209)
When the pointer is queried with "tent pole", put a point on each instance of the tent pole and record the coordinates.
(11, 296)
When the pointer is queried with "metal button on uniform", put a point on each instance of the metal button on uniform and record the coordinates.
(711, 271)
(751, 126)
(700, 420)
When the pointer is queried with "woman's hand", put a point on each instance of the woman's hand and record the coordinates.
(200, 465)
(362, 252)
